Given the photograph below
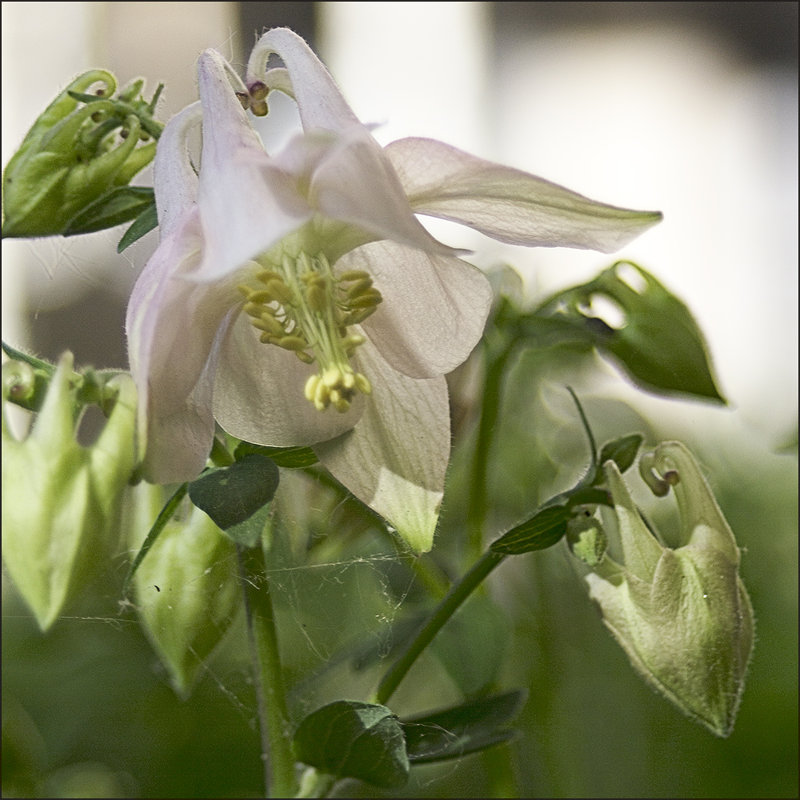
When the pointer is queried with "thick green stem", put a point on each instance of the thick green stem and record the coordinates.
(279, 763)
(448, 606)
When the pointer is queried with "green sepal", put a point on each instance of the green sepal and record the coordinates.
(622, 452)
(350, 739)
(231, 495)
(462, 729)
(119, 205)
(142, 225)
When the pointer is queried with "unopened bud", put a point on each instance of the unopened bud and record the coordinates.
(62, 501)
(187, 593)
(682, 615)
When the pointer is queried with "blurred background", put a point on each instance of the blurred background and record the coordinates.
(689, 108)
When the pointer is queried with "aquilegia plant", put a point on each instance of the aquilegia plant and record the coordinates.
(290, 337)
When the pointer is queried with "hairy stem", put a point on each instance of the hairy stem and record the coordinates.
(446, 608)
(279, 771)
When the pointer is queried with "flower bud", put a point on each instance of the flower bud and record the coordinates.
(62, 501)
(682, 615)
(187, 590)
(75, 153)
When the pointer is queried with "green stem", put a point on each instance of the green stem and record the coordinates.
(279, 763)
(446, 608)
(490, 411)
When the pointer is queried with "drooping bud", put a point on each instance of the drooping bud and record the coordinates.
(682, 615)
(62, 501)
(187, 592)
(71, 173)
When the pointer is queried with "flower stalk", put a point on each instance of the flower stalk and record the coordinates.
(279, 765)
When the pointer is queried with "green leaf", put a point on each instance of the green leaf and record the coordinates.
(621, 451)
(349, 739)
(231, 495)
(542, 530)
(250, 532)
(657, 342)
(462, 729)
(290, 457)
(113, 208)
(142, 225)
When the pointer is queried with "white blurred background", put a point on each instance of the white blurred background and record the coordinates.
(689, 108)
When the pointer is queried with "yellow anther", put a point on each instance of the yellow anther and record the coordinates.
(292, 343)
(354, 275)
(359, 287)
(280, 291)
(362, 384)
(310, 388)
(317, 297)
(267, 275)
(269, 324)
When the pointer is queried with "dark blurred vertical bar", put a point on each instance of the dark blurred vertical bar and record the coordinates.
(255, 18)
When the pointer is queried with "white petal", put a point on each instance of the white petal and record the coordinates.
(318, 97)
(171, 324)
(508, 204)
(356, 184)
(396, 457)
(174, 179)
(258, 393)
(243, 212)
(434, 307)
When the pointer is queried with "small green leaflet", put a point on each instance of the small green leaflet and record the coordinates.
(231, 495)
(467, 728)
(350, 739)
(114, 207)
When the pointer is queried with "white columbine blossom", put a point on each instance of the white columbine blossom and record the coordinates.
(296, 299)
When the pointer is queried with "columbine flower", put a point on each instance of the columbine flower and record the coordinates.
(297, 299)
(682, 615)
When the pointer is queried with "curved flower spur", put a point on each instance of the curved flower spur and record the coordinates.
(296, 299)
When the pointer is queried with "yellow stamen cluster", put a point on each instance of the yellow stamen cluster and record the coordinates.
(301, 306)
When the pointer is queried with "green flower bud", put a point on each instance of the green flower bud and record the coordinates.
(682, 615)
(76, 157)
(62, 501)
(187, 590)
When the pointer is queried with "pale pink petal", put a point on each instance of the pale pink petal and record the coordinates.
(243, 214)
(318, 97)
(171, 324)
(356, 184)
(258, 393)
(434, 307)
(174, 179)
(396, 457)
(508, 204)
